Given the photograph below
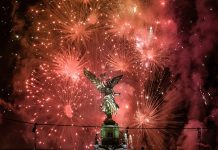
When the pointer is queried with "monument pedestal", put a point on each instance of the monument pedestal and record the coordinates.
(110, 137)
(110, 133)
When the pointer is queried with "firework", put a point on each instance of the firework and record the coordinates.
(118, 62)
(155, 111)
(70, 21)
(154, 59)
(143, 38)
(151, 56)
(121, 58)
(68, 63)
(53, 101)
(125, 20)
(121, 27)
(77, 21)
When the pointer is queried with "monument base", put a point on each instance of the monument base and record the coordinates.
(110, 137)
(110, 133)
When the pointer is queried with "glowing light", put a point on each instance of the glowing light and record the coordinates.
(68, 111)
(76, 32)
(93, 18)
(127, 106)
(120, 57)
(163, 3)
(86, 1)
(117, 63)
(134, 9)
(121, 26)
(143, 38)
(69, 63)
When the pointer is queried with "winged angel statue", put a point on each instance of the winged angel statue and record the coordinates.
(109, 106)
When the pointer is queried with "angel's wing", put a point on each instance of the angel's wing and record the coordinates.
(97, 82)
(115, 80)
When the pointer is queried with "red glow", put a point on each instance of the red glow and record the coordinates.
(68, 111)
(108, 37)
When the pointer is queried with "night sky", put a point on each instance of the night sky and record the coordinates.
(195, 63)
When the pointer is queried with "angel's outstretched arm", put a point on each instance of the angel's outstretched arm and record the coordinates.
(116, 94)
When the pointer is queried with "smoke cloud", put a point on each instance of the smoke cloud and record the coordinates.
(191, 66)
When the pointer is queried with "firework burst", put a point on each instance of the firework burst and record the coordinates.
(151, 56)
(153, 59)
(68, 63)
(70, 20)
(77, 21)
(154, 111)
(59, 102)
(122, 58)
(121, 27)
(125, 20)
